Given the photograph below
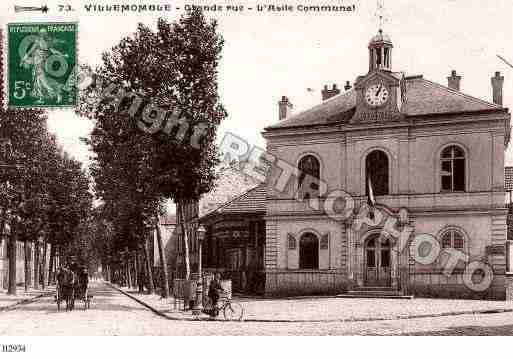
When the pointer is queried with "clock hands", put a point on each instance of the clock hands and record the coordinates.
(379, 90)
(376, 95)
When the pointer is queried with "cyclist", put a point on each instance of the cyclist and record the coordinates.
(214, 291)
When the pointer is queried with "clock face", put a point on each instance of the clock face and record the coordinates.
(376, 95)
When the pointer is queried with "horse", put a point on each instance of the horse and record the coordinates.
(68, 289)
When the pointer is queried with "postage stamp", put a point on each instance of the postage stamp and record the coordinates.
(42, 59)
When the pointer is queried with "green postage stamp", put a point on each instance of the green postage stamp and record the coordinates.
(42, 60)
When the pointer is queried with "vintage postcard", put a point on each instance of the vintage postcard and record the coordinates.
(255, 168)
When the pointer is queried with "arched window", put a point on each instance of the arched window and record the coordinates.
(309, 251)
(309, 176)
(376, 169)
(452, 239)
(452, 162)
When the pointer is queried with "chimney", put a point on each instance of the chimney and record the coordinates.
(328, 93)
(285, 107)
(454, 81)
(497, 82)
(347, 87)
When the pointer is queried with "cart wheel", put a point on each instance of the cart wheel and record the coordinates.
(233, 311)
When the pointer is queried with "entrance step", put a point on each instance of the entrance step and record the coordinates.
(375, 289)
(375, 292)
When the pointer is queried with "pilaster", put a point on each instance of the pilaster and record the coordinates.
(271, 245)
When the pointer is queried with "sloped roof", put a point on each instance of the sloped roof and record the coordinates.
(423, 97)
(380, 37)
(231, 182)
(322, 113)
(508, 178)
(252, 201)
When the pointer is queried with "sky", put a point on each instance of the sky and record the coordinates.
(268, 55)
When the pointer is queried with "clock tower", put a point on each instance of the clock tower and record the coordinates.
(379, 93)
(380, 52)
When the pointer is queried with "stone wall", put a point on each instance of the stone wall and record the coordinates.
(293, 283)
(436, 285)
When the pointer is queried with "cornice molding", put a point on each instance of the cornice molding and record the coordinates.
(410, 122)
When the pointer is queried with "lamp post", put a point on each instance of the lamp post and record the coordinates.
(178, 258)
(198, 305)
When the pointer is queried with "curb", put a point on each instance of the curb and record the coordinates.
(24, 301)
(155, 311)
(348, 320)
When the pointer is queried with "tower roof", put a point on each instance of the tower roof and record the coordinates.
(380, 38)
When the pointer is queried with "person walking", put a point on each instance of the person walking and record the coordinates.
(60, 281)
(140, 281)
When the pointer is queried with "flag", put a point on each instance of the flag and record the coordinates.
(371, 201)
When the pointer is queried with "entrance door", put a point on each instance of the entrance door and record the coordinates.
(377, 261)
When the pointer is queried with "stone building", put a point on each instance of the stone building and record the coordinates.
(231, 183)
(434, 160)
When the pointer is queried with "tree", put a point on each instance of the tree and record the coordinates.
(24, 132)
(173, 68)
(192, 83)
(44, 192)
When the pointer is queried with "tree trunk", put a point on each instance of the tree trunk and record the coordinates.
(36, 264)
(136, 270)
(43, 264)
(12, 258)
(141, 271)
(107, 275)
(2, 232)
(2, 224)
(149, 274)
(127, 268)
(28, 261)
(133, 265)
(181, 214)
(50, 265)
(163, 263)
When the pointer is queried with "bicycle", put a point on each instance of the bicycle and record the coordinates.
(232, 311)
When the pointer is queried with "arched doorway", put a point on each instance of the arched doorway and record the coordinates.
(377, 261)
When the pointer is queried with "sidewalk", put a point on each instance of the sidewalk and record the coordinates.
(21, 297)
(325, 309)
(164, 307)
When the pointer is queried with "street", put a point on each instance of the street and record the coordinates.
(112, 313)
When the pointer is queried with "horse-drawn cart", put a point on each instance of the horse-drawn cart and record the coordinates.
(65, 293)
(70, 295)
(70, 288)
